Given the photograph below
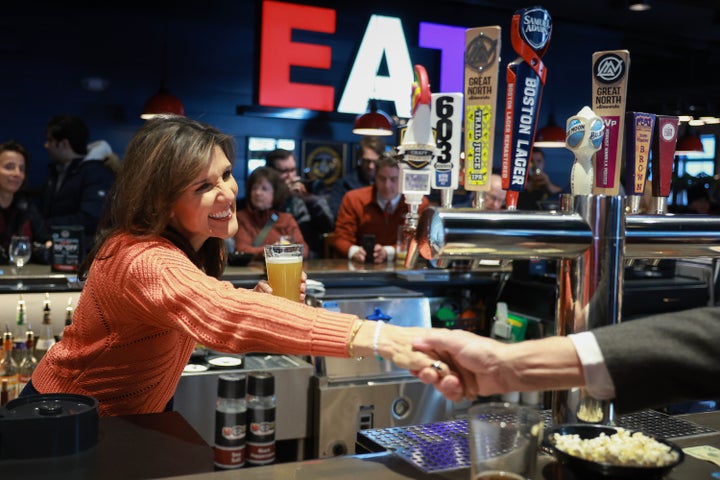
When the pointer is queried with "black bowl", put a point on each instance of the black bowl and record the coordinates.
(588, 468)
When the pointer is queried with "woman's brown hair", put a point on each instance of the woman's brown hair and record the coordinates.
(161, 161)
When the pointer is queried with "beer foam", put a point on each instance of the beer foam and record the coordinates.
(297, 259)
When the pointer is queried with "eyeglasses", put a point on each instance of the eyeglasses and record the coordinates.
(284, 170)
(368, 160)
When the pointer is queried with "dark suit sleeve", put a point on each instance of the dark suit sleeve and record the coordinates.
(663, 359)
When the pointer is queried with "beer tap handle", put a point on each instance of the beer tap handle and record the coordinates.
(482, 66)
(583, 136)
(416, 150)
(639, 129)
(446, 120)
(609, 96)
(530, 35)
(663, 148)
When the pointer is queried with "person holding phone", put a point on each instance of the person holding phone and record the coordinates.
(376, 210)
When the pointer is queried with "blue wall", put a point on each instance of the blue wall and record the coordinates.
(48, 48)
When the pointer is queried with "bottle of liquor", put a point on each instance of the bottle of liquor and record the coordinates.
(29, 362)
(230, 422)
(68, 315)
(20, 329)
(261, 418)
(8, 366)
(47, 336)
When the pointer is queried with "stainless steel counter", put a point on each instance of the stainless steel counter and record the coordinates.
(196, 395)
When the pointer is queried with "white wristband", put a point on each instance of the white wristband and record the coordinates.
(376, 337)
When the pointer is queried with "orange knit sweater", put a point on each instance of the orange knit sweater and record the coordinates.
(141, 313)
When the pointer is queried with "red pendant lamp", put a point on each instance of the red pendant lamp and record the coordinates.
(163, 103)
(373, 122)
(551, 135)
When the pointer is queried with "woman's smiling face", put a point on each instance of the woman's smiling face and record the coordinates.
(207, 207)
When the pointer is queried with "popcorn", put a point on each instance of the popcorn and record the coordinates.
(620, 449)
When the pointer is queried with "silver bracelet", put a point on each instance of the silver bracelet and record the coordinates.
(376, 337)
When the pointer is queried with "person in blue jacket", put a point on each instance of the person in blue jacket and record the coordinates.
(77, 184)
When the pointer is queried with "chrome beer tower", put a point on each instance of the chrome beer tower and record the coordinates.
(591, 237)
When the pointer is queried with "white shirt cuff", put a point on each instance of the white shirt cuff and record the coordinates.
(390, 252)
(353, 250)
(597, 378)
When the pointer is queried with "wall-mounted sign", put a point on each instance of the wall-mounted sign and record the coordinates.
(384, 39)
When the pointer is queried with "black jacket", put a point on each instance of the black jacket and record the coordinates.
(80, 200)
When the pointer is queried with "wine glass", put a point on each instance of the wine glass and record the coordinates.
(19, 252)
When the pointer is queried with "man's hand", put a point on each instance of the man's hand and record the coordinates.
(296, 186)
(379, 254)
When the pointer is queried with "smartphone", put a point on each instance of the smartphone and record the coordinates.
(368, 244)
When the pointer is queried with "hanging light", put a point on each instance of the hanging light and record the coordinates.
(639, 5)
(551, 135)
(163, 103)
(689, 143)
(373, 122)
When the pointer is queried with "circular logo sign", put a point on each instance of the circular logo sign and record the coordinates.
(609, 68)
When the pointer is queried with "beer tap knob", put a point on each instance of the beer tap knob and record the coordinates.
(609, 96)
(663, 148)
(416, 152)
(482, 65)
(447, 114)
(583, 136)
(530, 35)
(639, 128)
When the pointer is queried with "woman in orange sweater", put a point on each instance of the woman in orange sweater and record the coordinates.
(261, 222)
(152, 289)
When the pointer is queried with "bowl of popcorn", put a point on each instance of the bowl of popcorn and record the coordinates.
(600, 450)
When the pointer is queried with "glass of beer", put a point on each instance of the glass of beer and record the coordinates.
(284, 269)
(504, 440)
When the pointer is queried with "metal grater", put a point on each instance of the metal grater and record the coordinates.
(443, 446)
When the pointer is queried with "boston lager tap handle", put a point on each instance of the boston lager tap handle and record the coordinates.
(530, 35)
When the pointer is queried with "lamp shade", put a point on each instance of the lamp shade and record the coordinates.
(550, 136)
(162, 103)
(689, 143)
(374, 122)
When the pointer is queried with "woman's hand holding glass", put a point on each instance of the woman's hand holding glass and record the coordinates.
(264, 287)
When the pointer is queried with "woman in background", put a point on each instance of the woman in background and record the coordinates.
(18, 215)
(261, 222)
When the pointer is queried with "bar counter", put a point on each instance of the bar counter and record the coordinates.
(331, 272)
(387, 466)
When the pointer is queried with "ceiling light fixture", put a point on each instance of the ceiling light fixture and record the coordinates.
(373, 122)
(689, 143)
(640, 5)
(163, 103)
(551, 135)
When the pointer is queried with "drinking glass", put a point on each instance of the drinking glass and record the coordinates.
(19, 253)
(284, 269)
(504, 440)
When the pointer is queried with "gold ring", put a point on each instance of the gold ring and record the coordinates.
(437, 365)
